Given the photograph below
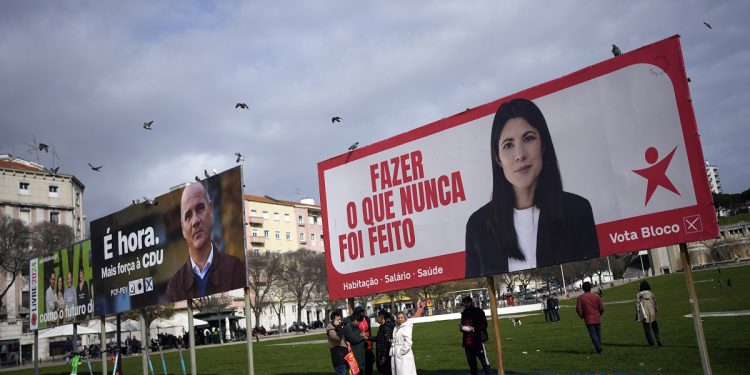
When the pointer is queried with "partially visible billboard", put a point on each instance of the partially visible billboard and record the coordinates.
(602, 161)
(60, 289)
(185, 244)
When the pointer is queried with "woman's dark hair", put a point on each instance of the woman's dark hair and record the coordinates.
(644, 286)
(548, 194)
(384, 313)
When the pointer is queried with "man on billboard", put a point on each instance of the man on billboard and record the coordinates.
(530, 221)
(70, 298)
(207, 270)
(51, 297)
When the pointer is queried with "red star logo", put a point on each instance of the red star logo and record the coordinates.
(656, 174)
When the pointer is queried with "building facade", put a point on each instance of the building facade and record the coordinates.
(33, 194)
(714, 183)
(276, 225)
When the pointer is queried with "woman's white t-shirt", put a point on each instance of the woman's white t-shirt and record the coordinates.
(526, 222)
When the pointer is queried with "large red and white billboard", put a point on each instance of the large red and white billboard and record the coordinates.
(426, 206)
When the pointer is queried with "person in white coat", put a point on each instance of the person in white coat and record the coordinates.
(402, 357)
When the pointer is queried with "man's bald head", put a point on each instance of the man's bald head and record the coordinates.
(196, 217)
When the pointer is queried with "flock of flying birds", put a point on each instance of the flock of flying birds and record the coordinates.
(335, 119)
(148, 126)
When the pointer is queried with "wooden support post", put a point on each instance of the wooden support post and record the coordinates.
(248, 335)
(191, 334)
(496, 326)
(697, 325)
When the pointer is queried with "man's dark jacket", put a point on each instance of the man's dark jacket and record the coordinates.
(474, 317)
(383, 339)
(226, 273)
(353, 336)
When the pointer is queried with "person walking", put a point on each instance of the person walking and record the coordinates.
(545, 308)
(402, 356)
(590, 308)
(554, 304)
(474, 328)
(336, 343)
(645, 304)
(383, 340)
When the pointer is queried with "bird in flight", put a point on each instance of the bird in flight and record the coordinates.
(239, 157)
(707, 24)
(616, 51)
(353, 147)
(95, 168)
(147, 124)
(335, 119)
(44, 147)
(241, 105)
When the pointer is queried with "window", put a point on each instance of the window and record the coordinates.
(253, 213)
(23, 188)
(267, 233)
(25, 215)
(286, 217)
(276, 216)
(54, 217)
(321, 237)
(301, 237)
(256, 251)
(78, 198)
(300, 221)
(288, 236)
(265, 215)
(53, 191)
(278, 235)
(254, 232)
(311, 219)
(320, 220)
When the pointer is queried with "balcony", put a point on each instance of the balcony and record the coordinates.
(255, 220)
(257, 240)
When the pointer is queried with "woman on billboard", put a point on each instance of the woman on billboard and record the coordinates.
(530, 221)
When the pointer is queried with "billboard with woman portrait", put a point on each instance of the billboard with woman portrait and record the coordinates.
(602, 161)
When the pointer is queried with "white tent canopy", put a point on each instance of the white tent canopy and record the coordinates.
(130, 325)
(97, 326)
(177, 320)
(65, 330)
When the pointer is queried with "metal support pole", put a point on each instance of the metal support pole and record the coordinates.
(102, 342)
(144, 341)
(191, 334)
(36, 352)
(609, 267)
(496, 326)
(562, 276)
(697, 325)
(248, 330)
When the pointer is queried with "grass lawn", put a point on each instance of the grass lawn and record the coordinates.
(535, 347)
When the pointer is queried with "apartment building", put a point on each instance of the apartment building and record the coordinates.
(277, 225)
(33, 194)
(714, 183)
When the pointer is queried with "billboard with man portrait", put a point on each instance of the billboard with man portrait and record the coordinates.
(185, 244)
(602, 161)
(60, 288)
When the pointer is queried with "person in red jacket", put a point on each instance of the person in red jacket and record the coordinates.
(590, 308)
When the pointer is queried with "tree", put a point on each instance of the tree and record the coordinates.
(302, 273)
(277, 297)
(524, 278)
(262, 271)
(549, 274)
(14, 250)
(150, 314)
(216, 304)
(600, 266)
(48, 237)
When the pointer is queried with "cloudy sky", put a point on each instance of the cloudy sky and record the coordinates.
(83, 76)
